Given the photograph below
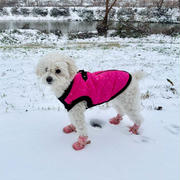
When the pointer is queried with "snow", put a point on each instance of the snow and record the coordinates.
(33, 145)
(157, 55)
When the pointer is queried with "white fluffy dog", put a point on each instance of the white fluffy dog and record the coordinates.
(58, 71)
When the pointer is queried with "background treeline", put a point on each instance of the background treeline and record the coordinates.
(66, 3)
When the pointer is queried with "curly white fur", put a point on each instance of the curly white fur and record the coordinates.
(127, 102)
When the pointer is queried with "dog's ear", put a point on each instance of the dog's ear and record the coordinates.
(71, 68)
(39, 69)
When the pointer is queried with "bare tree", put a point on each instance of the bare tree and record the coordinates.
(102, 27)
(26, 2)
(81, 2)
(2, 3)
(6, 3)
(97, 2)
(159, 4)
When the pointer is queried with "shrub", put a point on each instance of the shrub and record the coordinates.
(55, 12)
(40, 11)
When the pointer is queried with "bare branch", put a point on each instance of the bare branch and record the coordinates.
(112, 5)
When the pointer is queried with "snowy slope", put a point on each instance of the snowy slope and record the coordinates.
(32, 145)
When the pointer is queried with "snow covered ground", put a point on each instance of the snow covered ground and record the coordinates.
(32, 145)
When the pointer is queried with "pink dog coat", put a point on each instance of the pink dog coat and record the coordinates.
(95, 88)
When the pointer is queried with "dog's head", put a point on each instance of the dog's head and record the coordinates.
(56, 70)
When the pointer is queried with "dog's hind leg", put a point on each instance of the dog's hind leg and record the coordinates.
(137, 118)
(69, 129)
(116, 120)
(132, 110)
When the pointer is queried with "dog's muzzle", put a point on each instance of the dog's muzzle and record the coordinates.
(49, 79)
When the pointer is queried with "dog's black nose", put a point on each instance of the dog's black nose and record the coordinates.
(49, 79)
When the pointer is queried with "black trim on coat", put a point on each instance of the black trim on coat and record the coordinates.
(84, 74)
(87, 98)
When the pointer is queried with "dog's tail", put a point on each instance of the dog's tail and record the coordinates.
(139, 75)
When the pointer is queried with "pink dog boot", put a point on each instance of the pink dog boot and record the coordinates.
(69, 129)
(134, 129)
(80, 144)
(116, 120)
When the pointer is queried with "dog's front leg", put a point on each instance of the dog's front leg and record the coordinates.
(76, 115)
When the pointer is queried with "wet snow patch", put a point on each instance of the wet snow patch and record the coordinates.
(97, 123)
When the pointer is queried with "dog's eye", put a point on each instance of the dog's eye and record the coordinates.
(46, 69)
(58, 71)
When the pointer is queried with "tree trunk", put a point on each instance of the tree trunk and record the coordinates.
(81, 3)
(102, 27)
(160, 4)
(106, 14)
